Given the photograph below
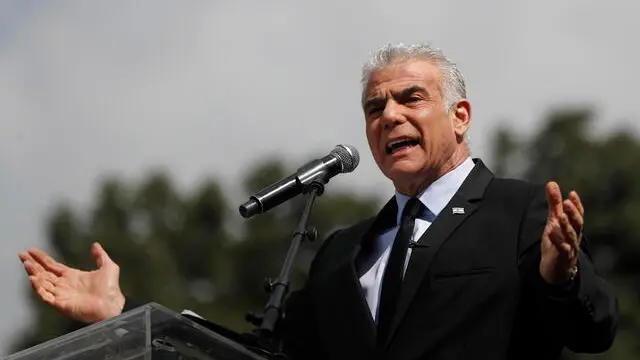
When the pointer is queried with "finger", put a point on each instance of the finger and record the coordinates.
(46, 279)
(46, 282)
(29, 263)
(100, 255)
(33, 268)
(41, 291)
(554, 198)
(575, 218)
(569, 234)
(24, 256)
(557, 239)
(28, 260)
(47, 262)
(575, 199)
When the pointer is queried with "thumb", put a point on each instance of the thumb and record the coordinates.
(100, 255)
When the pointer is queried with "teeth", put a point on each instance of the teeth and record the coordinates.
(399, 144)
(396, 142)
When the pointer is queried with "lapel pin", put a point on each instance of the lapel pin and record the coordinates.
(457, 210)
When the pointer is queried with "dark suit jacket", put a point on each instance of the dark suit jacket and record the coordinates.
(472, 289)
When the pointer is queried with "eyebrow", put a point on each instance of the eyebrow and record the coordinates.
(402, 94)
(377, 101)
(412, 89)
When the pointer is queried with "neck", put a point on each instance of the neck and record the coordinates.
(429, 176)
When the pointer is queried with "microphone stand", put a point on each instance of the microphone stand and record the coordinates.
(278, 288)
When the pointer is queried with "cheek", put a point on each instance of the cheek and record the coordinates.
(436, 126)
(424, 113)
(373, 134)
(373, 141)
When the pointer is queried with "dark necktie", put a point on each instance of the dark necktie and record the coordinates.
(394, 272)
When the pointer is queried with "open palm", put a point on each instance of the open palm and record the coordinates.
(87, 296)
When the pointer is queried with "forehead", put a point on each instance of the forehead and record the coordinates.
(398, 76)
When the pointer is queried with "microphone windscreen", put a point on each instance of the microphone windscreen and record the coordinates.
(348, 156)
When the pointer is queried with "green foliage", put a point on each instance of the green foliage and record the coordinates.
(605, 171)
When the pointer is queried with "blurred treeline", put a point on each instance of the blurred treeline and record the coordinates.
(191, 250)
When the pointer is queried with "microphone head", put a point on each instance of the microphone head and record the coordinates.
(348, 156)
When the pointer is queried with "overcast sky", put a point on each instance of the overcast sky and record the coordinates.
(209, 87)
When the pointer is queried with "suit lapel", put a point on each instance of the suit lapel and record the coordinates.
(340, 298)
(466, 198)
(342, 310)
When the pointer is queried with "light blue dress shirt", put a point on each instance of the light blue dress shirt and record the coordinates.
(435, 198)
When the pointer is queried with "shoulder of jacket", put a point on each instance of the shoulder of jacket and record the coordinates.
(356, 229)
(515, 187)
(514, 193)
(335, 241)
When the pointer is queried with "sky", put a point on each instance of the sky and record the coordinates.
(209, 88)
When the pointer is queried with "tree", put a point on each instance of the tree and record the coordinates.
(605, 170)
(187, 250)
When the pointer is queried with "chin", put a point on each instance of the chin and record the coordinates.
(403, 170)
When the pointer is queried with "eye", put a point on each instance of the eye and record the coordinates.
(374, 111)
(412, 99)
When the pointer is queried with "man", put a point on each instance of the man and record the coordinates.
(457, 265)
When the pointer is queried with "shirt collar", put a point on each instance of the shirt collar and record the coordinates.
(439, 193)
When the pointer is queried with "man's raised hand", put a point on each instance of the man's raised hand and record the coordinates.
(561, 236)
(86, 296)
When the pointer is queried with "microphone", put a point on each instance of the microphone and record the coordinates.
(342, 159)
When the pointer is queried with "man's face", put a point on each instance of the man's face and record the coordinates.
(410, 132)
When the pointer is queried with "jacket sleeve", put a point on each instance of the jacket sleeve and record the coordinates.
(130, 304)
(584, 316)
(298, 331)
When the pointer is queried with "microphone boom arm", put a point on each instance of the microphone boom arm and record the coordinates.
(278, 289)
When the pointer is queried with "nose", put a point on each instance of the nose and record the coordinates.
(392, 115)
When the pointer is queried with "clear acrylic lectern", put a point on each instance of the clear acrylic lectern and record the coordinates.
(149, 332)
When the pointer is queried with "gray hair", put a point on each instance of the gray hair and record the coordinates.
(453, 85)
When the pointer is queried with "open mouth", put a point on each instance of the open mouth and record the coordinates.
(400, 144)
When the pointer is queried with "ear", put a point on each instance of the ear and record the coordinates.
(461, 117)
